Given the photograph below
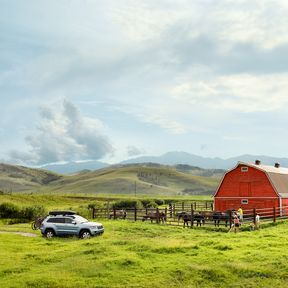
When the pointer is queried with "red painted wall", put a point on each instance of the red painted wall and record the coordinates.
(253, 185)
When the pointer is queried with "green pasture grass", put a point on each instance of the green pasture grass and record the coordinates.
(141, 254)
(67, 201)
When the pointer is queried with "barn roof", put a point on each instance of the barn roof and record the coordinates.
(278, 177)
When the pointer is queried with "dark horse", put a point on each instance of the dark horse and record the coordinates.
(161, 217)
(187, 217)
(221, 216)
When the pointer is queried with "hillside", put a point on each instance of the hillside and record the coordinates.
(126, 179)
(18, 178)
(136, 179)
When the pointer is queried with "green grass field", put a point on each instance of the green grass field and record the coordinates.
(137, 254)
(146, 255)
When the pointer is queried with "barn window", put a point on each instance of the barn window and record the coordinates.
(244, 201)
(244, 169)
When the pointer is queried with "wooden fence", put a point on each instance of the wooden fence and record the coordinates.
(172, 213)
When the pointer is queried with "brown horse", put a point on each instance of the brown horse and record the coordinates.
(154, 216)
(187, 217)
(121, 214)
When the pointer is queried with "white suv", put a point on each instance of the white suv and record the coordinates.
(60, 223)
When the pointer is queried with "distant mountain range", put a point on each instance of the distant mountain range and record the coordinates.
(74, 167)
(172, 159)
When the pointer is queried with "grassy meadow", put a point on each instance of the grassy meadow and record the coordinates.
(137, 254)
(146, 255)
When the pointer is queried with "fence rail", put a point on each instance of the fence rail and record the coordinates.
(175, 215)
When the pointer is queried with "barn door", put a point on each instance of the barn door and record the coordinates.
(244, 189)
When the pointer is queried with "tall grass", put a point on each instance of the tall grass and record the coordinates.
(145, 255)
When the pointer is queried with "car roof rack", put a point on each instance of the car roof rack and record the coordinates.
(62, 212)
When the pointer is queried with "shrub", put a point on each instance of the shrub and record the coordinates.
(95, 205)
(32, 212)
(127, 204)
(159, 202)
(9, 210)
(148, 203)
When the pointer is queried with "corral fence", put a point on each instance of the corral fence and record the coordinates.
(173, 215)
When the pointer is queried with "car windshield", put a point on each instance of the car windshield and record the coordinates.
(80, 219)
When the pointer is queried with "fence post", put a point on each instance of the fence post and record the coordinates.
(192, 216)
(274, 214)
(254, 216)
(230, 218)
(165, 220)
(195, 205)
(173, 210)
(114, 213)
(135, 213)
(170, 210)
(93, 213)
(182, 206)
(157, 215)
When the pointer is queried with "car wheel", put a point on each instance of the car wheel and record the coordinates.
(85, 234)
(49, 233)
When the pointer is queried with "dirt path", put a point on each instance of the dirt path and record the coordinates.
(26, 234)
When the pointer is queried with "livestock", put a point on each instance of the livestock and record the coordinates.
(220, 216)
(121, 214)
(187, 217)
(161, 217)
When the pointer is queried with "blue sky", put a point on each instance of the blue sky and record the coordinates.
(113, 79)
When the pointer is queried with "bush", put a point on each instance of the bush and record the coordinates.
(95, 205)
(148, 203)
(127, 204)
(9, 210)
(159, 202)
(32, 212)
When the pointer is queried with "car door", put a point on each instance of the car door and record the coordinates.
(59, 223)
(70, 226)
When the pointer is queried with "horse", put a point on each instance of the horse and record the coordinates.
(121, 214)
(187, 217)
(220, 216)
(154, 216)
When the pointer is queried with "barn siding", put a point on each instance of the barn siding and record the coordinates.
(253, 185)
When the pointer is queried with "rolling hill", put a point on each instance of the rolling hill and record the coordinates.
(18, 178)
(120, 179)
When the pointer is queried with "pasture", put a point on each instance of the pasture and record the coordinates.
(141, 254)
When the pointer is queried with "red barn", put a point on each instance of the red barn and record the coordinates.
(253, 186)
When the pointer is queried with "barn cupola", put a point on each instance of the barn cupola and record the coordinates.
(257, 162)
(276, 165)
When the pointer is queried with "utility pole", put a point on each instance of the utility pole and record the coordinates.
(135, 188)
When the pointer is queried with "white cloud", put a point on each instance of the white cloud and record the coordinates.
(242, 93)
(64, 135)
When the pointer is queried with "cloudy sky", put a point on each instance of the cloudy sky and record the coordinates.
(112, 79)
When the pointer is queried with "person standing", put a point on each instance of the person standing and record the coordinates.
(236, 223)
(240, 213)
(257, 221)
